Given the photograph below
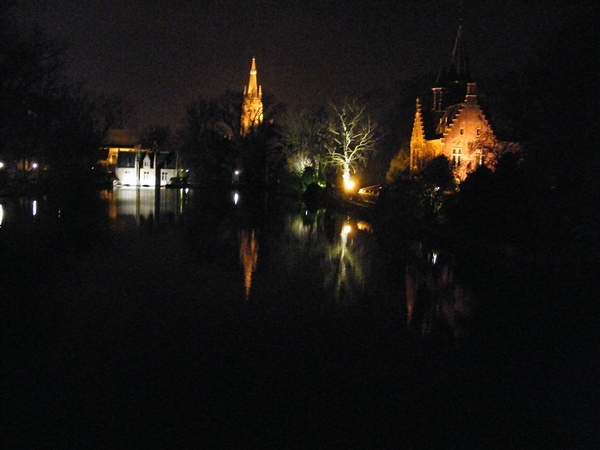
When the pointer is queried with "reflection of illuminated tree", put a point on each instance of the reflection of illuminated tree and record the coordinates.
(340, 268)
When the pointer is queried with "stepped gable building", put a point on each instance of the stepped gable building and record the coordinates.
(133, 165)
(455, 125)
(252, 106)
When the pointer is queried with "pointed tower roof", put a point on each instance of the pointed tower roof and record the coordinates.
(253, 89)
(459, 65)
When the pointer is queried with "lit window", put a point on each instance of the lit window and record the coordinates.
(456, 154)
(479, 156)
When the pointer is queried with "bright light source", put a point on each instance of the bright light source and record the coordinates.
(346, 229)
(1, 164)
(236, 198)
(34, 165)
(349, 184)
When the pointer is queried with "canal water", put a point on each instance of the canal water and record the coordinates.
(234, 319)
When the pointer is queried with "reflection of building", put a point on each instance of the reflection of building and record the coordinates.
(455, 126)
(252, 107)
(139, 205)
(134, 165)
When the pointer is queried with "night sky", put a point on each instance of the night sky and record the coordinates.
(162, 54)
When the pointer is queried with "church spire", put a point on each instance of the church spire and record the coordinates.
(253, 90)
(252, 107)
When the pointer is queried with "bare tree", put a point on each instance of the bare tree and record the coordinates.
(349, 138)
(302, 142)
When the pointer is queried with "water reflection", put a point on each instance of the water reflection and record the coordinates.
(330, 248)
(304, 256)
(436, 302)
(248, 257)
(21, 210)
(144, 206)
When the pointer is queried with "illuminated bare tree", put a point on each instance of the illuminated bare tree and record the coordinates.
(349, 138)
(302, 143)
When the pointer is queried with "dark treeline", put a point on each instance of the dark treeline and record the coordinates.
(50, 125)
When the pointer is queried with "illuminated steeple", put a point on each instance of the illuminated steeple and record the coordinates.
(252, 107)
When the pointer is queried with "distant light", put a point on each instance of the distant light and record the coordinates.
(34, 208)
(237, 172)
(34, 165)
(434, 257)
(236, 198)
(346, 229)
(1, 214)
(1, 164)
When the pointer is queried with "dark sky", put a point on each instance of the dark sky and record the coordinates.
(161, 54)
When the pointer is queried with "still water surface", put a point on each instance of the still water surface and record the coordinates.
(233, 320)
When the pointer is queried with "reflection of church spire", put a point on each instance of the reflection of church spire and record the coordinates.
(248, 257)
(252, 107)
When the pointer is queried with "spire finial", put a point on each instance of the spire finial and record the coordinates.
(253, 81)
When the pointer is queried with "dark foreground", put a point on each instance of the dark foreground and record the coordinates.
(143, 338)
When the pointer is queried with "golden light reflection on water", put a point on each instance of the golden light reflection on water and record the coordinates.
(248, 257)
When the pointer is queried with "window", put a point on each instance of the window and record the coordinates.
(478, 131)
(479, 156)
(456, 154)
(462, 131)
(163, 176)
(146, 175)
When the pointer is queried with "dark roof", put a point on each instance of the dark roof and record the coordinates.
(165, 160)
(126, 159)
(436, 122)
